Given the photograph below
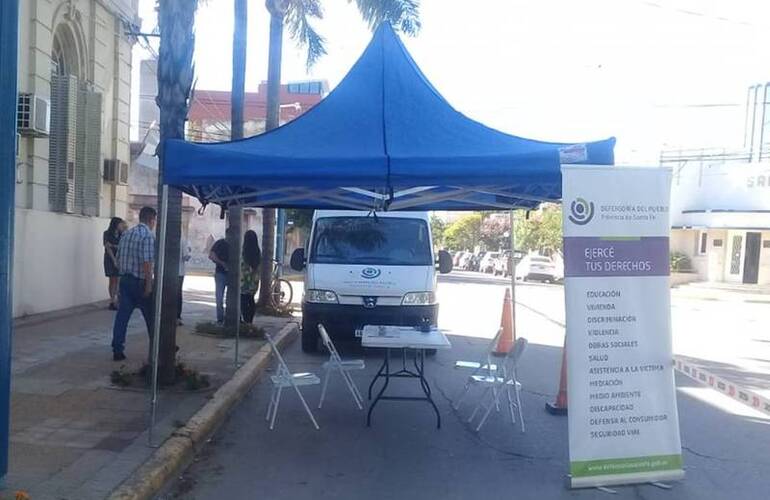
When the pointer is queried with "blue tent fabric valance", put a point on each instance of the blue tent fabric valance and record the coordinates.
(383, 139)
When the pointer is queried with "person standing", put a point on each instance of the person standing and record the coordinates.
(185, 253)
(220, 256)
(136, 257)
(110, 240)
(252, 256)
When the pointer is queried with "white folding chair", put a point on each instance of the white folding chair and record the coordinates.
(504, 382)
(284, 379)
(482, 367)
(336, 363)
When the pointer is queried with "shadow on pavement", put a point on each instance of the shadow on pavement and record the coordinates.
(403, 455)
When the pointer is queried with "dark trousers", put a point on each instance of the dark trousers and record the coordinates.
(220, 288)
(179, 298)
(131, 297)
(248, 307)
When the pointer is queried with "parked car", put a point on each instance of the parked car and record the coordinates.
(473, 265)
(464, 260)
(487, 264)
(502, 264)
(538, 268)
(505, 266)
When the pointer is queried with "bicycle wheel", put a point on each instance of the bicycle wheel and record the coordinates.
(282, 293)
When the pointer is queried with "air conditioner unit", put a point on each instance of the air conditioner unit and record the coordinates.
(115, 172)
(33, 115)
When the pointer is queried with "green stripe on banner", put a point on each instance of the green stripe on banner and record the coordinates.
(625, 465)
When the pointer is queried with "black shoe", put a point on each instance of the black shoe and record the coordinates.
(118, 356)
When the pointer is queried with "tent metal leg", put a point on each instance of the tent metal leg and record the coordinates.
(513, 274)
(163, 220)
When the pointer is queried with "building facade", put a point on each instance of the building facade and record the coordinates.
(208, 121)
(720, 203)
(73, 147)
(721, 221)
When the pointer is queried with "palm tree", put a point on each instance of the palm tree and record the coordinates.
(297, 14)
(235, 214)
(176, 19)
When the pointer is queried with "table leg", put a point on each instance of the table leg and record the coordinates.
(378, 375)
(386, 366)
(419, 368)
(426, 387)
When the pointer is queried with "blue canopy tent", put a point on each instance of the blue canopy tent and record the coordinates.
(384, 139)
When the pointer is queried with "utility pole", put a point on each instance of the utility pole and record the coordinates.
(9, 29)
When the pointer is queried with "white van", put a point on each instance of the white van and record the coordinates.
(367, 268)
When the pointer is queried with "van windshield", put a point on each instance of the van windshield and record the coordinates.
(371, 240)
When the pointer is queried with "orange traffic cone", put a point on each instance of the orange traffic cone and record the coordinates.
(506, 339)
(559, 407)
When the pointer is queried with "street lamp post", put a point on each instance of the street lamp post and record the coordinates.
(9, 22)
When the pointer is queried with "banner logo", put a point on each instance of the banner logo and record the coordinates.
(581, 211)
(370, 273)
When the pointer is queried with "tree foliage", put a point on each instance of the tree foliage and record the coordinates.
(403, 15)
(437, 229)
(541, 232)
(464, 233)
(495, 232)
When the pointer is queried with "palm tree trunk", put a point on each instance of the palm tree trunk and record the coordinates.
(273, 114)
(235, 213)
(176, 19)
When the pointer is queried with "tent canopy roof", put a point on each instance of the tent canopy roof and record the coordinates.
(383, 139)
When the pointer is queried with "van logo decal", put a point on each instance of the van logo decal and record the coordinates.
(370, 272)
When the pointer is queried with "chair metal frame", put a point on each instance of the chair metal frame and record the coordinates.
(284, 379)
(484, 365)
(498, 384)
(343, 367)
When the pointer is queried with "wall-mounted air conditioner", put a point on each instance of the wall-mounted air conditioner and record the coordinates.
(115, 172)
(33, 115)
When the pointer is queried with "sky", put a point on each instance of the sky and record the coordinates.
(657, 74)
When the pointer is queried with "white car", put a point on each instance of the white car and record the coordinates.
(538, 268)
(361, 269)
(487, 264)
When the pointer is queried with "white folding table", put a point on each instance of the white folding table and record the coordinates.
(403, 338)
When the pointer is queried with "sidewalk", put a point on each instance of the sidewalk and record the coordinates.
(73, 434)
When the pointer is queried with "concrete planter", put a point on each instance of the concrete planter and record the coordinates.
(681, 278)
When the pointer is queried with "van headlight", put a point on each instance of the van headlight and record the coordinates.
(418, 299)
(321, 296)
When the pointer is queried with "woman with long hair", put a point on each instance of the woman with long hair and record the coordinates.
(110, 240)
(252, 257)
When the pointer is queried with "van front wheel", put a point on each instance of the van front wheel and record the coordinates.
(309, 336)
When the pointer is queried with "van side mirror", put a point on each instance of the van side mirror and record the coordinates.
(297, 261)
(445, 263)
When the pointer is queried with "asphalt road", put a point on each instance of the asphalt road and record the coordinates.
(403, 455)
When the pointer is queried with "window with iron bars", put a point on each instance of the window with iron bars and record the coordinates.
(75, 146)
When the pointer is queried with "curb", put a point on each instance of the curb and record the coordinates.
(723, 386)
(179, 449)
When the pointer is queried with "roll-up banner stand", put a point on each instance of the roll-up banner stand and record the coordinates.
(623, 422)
